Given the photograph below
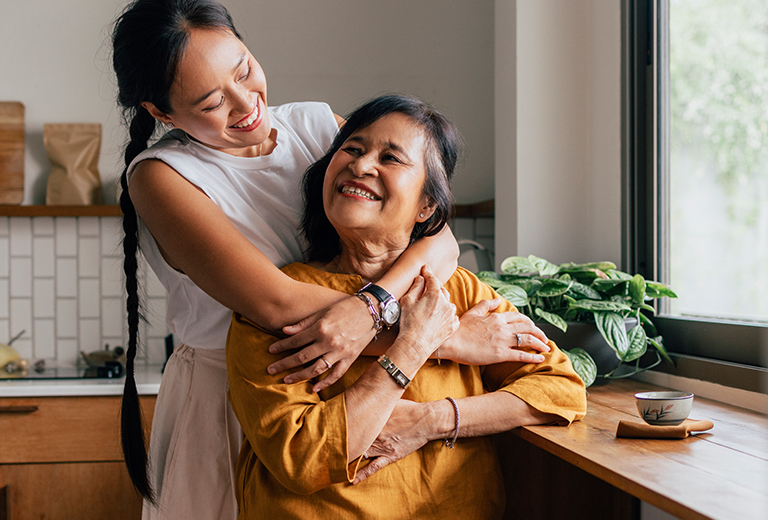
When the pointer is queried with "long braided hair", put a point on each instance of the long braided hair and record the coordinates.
(148, 42)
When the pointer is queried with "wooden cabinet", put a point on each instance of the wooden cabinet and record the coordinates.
(60, 458)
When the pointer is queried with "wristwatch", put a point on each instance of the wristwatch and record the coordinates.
(390, 307)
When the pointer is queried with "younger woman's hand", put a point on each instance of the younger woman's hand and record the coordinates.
(333, 338)
(427, 318)
(486, 337)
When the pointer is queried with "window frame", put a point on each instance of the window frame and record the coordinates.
(730, 353)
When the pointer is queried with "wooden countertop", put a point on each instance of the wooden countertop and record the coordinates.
(720, 474)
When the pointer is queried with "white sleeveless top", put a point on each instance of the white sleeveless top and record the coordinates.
(260, 195)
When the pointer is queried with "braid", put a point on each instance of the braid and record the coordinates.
(131, 428)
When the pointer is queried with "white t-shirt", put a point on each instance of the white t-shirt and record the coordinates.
(260, 195)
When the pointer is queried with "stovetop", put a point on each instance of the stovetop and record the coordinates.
(110, 370)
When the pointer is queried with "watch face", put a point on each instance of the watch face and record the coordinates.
(391, 312)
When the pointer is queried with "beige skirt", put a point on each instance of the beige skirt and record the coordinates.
(195, 440)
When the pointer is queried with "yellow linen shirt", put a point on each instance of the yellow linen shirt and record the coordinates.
(293, 463)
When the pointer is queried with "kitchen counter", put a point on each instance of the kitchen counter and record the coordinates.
(147, 383)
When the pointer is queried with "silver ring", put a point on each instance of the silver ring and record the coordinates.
(519, 339)
(328, 365)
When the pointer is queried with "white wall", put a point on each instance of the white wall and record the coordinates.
(558, 129)
(55, 58)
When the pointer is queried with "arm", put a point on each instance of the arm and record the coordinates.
(306, 441)
(197, 238)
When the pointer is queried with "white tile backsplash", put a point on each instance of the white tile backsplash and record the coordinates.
(43, 256)
(21, 236)
(43, 226)
(88, 227)
(66, 236)
(61, 281)
(44, 339)
(43, 298)
(88, 257)
(66, 318)
(89, 298)
(66, 277)
(21, 277)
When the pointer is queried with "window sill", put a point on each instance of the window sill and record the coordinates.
(100, 210)
(717, 474)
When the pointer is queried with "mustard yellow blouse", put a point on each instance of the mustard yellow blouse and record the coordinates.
(293, 463)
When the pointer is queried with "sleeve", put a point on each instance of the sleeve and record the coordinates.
(551, 387)
(300, 438)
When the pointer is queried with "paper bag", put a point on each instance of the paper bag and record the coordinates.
(73, 150)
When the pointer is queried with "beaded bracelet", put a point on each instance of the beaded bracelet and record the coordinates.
(377, 322)
(450, 443)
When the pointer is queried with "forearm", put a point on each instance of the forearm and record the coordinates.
(485, 414)
(440, 252)
(371, 399)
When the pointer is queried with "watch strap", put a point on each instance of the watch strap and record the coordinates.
(380, 294)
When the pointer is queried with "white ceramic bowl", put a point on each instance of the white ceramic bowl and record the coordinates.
(664, 408)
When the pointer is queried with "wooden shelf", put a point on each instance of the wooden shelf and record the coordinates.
(101, 210)
(479, 209)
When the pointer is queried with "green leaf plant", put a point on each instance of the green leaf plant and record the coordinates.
(593, 292)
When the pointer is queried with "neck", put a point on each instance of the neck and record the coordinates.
(371, 263)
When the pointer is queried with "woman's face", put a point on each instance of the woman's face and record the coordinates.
(373, 184)
(219, 96)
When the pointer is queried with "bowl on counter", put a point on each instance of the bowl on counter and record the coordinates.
(667, 408)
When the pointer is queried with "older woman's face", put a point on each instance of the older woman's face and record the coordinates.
(373, 184)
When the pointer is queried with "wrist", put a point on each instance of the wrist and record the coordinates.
(442, 419)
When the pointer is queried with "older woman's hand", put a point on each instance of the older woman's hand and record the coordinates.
(487, 337)
(428, 317)
(410, 426)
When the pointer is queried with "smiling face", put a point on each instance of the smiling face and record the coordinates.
(219, 96)
(373, 186)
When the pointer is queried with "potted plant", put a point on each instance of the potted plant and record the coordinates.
(593, 296)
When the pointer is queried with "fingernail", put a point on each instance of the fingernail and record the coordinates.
(271, 370)
(288, 380)
(271, 349)
(539, 359)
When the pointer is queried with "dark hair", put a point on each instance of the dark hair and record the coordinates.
(440, 157)
(148, 43)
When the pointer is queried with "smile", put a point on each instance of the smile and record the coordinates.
(351, 190)
(250, 119)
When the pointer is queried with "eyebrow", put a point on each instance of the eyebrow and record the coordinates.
(202, 98)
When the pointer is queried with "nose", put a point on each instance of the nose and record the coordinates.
(241, 100)
(363, 165)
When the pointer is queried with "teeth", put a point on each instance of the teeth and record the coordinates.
(357, 191)
(248, 121)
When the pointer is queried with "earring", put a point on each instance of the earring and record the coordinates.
(170, 126)
(421, 215)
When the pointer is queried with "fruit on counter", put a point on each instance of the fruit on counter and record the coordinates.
(8, 354)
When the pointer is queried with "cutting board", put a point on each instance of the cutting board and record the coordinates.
(11, 152)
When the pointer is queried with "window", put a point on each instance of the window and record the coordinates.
(695, 84)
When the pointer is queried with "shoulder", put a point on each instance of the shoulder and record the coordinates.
(313, 112)
(467, 290)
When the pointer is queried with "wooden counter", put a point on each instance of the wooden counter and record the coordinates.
(721, 474)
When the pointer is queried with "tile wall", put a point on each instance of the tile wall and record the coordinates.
(61, 282)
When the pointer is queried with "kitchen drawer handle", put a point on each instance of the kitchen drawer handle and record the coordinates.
(31, 408)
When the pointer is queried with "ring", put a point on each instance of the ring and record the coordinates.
(519, 339)
(328, 365)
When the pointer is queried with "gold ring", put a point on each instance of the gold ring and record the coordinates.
(328, 365)
(519, 339)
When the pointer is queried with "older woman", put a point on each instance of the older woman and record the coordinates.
(376, 443)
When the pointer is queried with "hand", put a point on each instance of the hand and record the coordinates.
(334, 336)
(404, 433)
(486, 337)
(428, 317)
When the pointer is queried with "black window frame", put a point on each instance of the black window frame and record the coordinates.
(724, 352)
